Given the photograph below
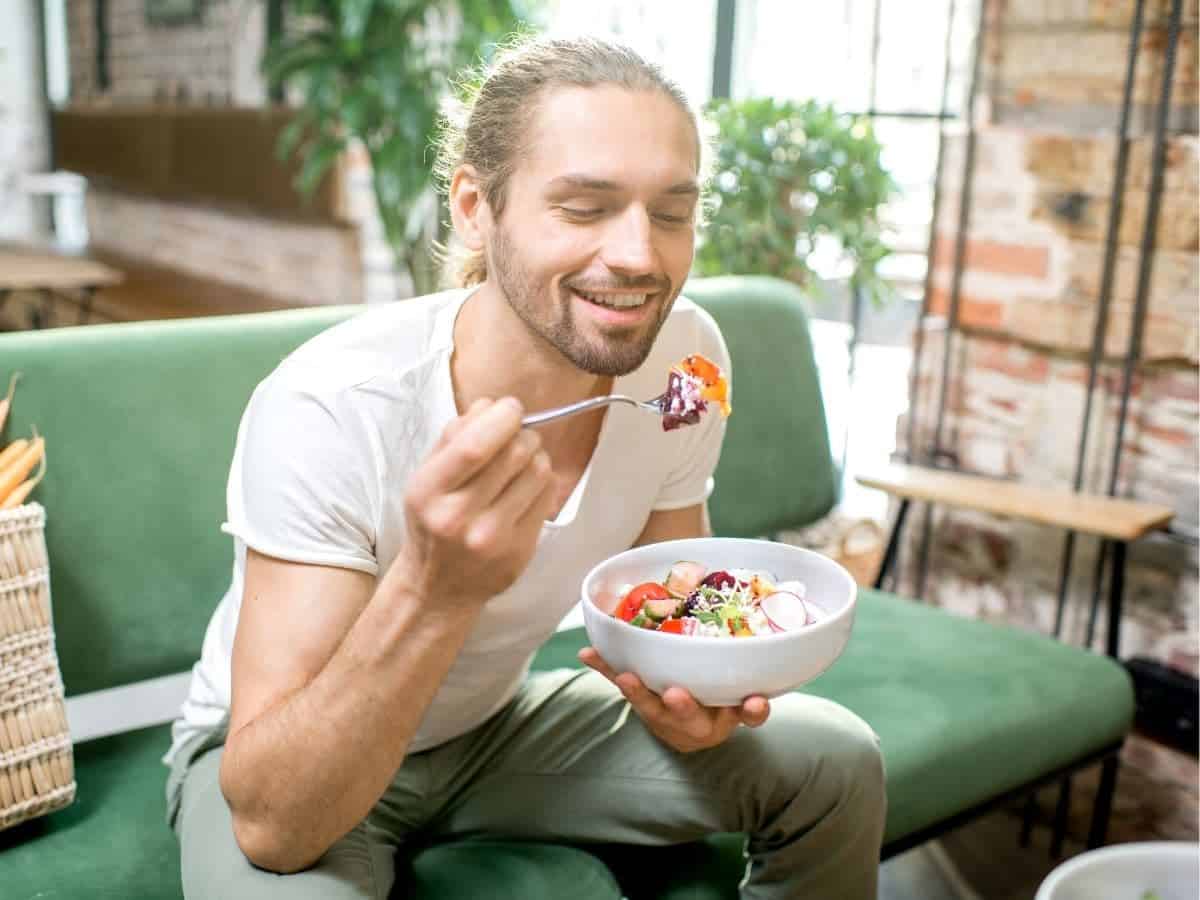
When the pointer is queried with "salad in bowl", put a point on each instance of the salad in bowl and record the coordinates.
(695, 602)
(771, 617)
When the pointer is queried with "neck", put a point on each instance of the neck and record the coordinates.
(496, 355)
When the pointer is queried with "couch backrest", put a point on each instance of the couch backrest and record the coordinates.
(776, 469)
(140, 421)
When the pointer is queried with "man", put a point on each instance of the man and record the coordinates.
(403, 545)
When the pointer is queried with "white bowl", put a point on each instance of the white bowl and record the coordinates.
(1127, 872)
(721, 671)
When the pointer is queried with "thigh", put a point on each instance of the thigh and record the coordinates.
(357, 867)
(570, 760)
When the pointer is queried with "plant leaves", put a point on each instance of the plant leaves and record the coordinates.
(376, 70)
(318, 159)
(786, 177)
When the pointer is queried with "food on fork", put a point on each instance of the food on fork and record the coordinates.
(690, 386)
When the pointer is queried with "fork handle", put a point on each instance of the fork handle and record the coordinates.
(560, 412)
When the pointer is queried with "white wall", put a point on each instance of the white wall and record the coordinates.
(24, 128)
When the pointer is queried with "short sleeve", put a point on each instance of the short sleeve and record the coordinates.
(301, 486)
(690, 481)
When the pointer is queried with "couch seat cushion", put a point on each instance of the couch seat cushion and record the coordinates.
(113, 842)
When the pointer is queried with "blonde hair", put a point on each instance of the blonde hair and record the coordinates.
(488, 125)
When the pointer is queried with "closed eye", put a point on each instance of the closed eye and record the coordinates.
(578, 213)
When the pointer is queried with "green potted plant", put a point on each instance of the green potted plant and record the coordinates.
(785, 176)
(376, 71)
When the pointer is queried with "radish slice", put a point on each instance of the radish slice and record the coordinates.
(785, 611)
(793, 587)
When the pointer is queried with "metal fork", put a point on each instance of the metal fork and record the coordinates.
(657, 406)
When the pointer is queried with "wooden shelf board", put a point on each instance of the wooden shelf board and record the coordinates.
(1107, 517)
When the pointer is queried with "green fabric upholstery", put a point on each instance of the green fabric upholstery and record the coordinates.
(776, 470)
(497, 870)
(113, 842)
(140, 421)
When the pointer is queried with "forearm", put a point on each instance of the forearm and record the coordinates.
(307, 770)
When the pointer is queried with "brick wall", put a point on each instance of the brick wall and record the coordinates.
(1035, 243)
(216, 61)
(191, 61)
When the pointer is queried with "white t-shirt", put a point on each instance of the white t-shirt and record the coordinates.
(329, 439)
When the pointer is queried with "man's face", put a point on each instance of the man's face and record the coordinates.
(597, 233)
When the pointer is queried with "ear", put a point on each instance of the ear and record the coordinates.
(469, 208)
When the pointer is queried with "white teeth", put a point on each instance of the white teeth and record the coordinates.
(620, 301)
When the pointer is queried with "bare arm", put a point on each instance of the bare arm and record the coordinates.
(333, 672)
(674, 524)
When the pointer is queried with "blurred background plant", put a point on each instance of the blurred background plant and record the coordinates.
(787, 179)
(376, 72)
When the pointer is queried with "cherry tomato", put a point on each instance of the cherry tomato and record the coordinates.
(672, 626)
(632, 603)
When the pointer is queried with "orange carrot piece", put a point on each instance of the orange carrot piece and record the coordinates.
(17, 471)
(12, 451)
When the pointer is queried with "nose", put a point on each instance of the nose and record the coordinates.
(629, 247)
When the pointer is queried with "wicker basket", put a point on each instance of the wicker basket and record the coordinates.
(36, 762)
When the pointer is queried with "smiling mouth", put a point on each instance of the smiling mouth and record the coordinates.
(623, 300)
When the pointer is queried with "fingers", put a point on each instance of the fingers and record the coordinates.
(593, 660)
(458, 422)
(677, 710)
(755, 711)
(475, 442)
(644, 701)
(706, 724)
(688, 716)
(530, 491)
(523, 453)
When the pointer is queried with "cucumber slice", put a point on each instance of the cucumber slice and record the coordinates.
(659, 609)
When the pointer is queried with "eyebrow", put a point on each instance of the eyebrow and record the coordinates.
(588, 183)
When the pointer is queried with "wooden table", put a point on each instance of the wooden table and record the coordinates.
(1114, 520)
(24, 268)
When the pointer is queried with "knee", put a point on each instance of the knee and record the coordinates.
(832, 750)
(853, 751)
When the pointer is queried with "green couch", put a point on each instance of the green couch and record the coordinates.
(140, 422)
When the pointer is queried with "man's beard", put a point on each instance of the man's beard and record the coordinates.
(614, 358)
